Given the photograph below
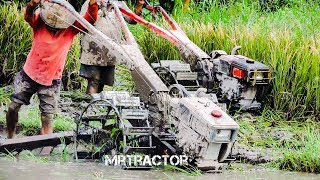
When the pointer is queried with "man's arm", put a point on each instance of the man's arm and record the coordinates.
(91, 16)
(29, 14)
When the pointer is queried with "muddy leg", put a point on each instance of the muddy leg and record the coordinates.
(100, 88)
(12, 118)
(48, 96)
(47, 128)
(47, 123)
(93, 86)
(107, 77)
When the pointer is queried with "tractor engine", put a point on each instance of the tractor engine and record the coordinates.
(204, 131)
(240, 81)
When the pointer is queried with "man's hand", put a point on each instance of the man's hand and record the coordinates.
(34, 2)
(92, 2)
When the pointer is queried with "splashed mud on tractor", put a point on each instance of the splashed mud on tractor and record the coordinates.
(177, 107)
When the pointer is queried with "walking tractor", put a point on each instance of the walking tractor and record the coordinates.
(238, 81)
(178, 107)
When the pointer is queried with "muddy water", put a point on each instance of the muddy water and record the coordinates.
(89, 170)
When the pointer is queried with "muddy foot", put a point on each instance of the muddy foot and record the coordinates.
(46, 150)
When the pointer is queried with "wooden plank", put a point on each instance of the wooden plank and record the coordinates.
(33, 142)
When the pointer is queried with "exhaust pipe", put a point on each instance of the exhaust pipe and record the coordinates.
(235, 50)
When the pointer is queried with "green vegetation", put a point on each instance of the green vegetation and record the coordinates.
(296, 142)
(15, 38)
(5, 93)
(271, 131)
(71, 79)
(30, 123)
(61, 153)
(305, 157)
(283, 34)
(287, 40)
(188, 171)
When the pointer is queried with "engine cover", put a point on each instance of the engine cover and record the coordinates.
(205, 132)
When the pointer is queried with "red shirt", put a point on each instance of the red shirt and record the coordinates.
(49, 50)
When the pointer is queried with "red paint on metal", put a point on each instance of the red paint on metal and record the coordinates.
(238, 73)
(158, 30)
(216, 113)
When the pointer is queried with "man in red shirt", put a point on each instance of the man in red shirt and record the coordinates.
(42, 71)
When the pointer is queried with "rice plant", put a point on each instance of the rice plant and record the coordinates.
(286, 39)
(284, 34)
(15, 38)
(305, 157)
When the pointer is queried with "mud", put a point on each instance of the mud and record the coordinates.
(70, 108)
(71, 105)
(90, 170)
(246, 154)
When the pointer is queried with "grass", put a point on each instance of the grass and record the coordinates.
(66, 153)
(29, 155)
(29, 120)
(287, 40)
(296, 143)
(61, 153)
(188, 171)
(5, 93)
(15, 38)
(303, 156)
(8, 156)
(269, 130)
(279, 33)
